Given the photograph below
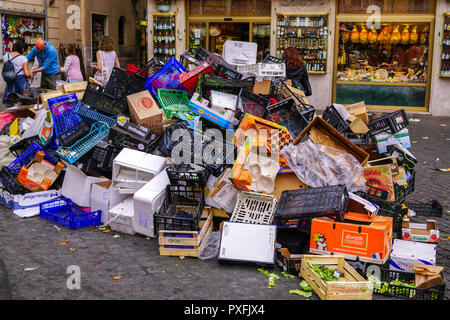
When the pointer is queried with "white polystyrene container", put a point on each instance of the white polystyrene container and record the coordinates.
(121, 217)
(147, 201)
(132, 169)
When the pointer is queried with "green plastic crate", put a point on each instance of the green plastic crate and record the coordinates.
(173, 102)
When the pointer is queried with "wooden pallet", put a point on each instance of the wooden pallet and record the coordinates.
(351, 285)
(179, 240)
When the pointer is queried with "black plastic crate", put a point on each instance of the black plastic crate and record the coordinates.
(18, 148)
(207, 83)
(280, 91)
(286, 114)
(272, 59)
(390, 123)
(188, 58)
(74, 134)
(123, 83)
(181, 210)
(332, 116)
(252, 103)
(97, 99)
(359, 139)
(312, 202)
(188, 175)
(150, 68)
(436, 292)
(427, 209)
(403, 158)
(105, 156)
(9, 180)
(218, 65)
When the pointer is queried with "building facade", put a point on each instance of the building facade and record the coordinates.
(390, 53)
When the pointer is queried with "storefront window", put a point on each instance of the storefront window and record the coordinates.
(221, 32)
(197, 35)
(261, 36)
(16, 28)
(387, 6)
(230, 8)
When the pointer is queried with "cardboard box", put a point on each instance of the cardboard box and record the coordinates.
(381, 177)
(287, 180)
(104, 197)
(420, 232)
(144, 110)
(359, 110)
(297, 92)
(240, 53)
(27, 200)
(366, 238)
(224, 193)
(428, 276)
(405, 254)
(48, 95)
(357, 125)
(383, 140)
(321, 132)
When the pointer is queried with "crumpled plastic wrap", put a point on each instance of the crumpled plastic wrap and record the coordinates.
(325, 166)
(6, 157)
(211, 249)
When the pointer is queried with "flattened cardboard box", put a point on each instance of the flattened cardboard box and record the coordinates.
(144, 110)
(358, 110)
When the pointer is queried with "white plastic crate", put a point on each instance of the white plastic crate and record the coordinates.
(223, 100)
(254, 208)
(264, 69)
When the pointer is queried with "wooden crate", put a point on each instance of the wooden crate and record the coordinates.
(351, 285)
(180, 240)
(74, 87)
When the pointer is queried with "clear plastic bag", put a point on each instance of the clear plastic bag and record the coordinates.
(211, 250)
(325, 166)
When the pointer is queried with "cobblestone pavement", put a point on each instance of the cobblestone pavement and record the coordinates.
(35, 243)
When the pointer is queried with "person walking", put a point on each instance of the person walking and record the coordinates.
(107, 58)
(72, 65)
(48, 63)
(15, 70)
(296, 70)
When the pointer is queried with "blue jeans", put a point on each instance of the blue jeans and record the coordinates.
(18, 86)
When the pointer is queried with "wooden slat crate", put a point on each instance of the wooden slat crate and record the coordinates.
(351, 285)
(186, 243)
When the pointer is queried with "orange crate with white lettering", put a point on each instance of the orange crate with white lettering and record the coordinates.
(359, 237)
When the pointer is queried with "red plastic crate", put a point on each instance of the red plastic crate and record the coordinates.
(189, 80)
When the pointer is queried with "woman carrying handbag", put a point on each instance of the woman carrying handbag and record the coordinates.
(106, 60)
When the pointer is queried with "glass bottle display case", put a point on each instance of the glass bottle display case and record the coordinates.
(445, 48)
(164, 36)
(308, 33)
(385, 65)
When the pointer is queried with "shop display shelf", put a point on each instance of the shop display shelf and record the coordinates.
(390, 123)
(97, 99)
(99, 131)
(428, 209)
(436, 292)
(66, 213)
(90, 116)
(286, 114)
(252, 207)
(313, 202)
(168, 77)
(181, 210)
(332, 116)
(252, 103)
(188, 175)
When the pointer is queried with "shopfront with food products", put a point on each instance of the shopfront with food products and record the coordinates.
(400, 60)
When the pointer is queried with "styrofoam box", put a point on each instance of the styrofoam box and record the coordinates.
(223, 100)
(239, 53)
(247, 242)
(77, 186)
(104, 197)
(121, 217)
(132, 169)
(405, 254)
(147, 201)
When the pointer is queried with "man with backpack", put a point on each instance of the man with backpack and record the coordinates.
(15, 70)
(48, 63)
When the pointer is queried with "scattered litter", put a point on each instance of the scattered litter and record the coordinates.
(301, 293)
(414, 120)
(426, 138)
(62, 243)
(288, 275)
(57, 227)
(116, 236)
(182, 258)
(30, 269)
(72, 249)
(106, 231)
(443, 125)
(443, 170)
(116, 278)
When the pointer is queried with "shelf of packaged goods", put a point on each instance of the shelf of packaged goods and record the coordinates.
(382, 83)
(444, 76)
(317, 72)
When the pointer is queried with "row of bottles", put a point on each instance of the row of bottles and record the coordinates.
(321, 33)
(298, 21)
(445, 58)
(164, 37)
(316, 66)
(445, 68)
(163, 23)
(304, 44)
(445, 54)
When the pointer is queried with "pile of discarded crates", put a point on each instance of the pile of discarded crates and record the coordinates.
(167, 150)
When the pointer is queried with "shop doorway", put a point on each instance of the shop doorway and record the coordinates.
(98, 31)
(221, 32)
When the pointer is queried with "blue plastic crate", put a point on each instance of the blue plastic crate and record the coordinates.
(62, 109)
(90, 116)
(167, 78)
(66, 213)
(25, 158)
(209, 114)
(99, 131)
